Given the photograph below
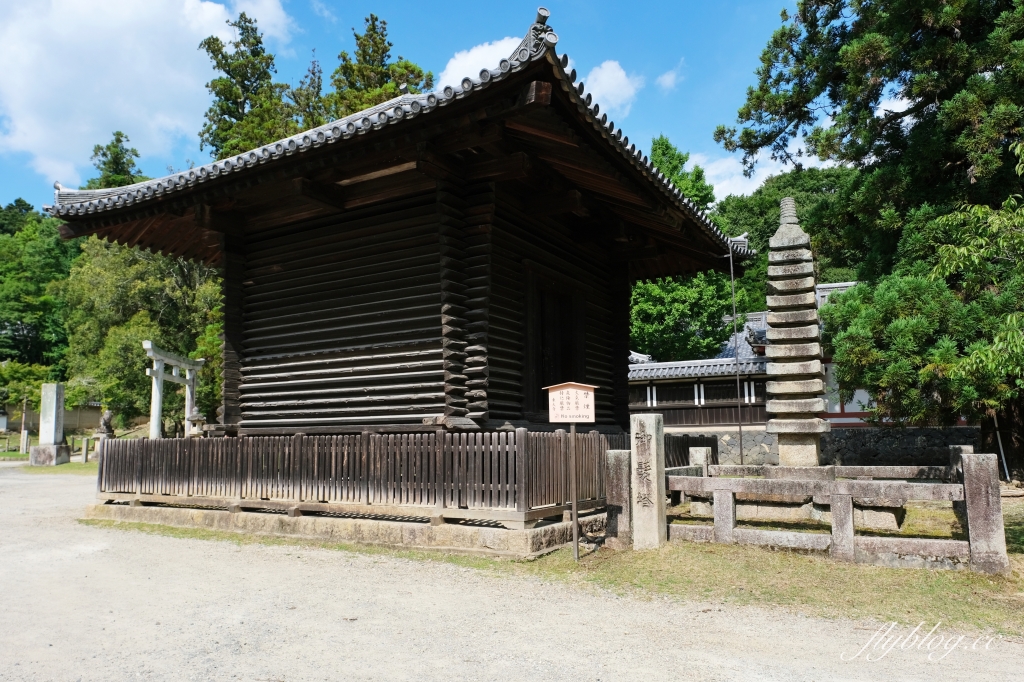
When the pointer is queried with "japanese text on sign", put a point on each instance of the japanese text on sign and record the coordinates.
(571, 403)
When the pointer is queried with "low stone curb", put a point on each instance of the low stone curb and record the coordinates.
(517, 544)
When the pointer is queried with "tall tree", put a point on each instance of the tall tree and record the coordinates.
(672, 163)
(679, 318)
(308, 97)
(371, 77)
(14, 216)
(116, 163)
(31, 317)
(249, 108)
(923, 97)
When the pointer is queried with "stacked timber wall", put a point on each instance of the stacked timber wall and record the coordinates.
(342, 320)
(527, 250)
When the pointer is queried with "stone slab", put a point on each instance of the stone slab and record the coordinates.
(787, 317)
(788, 236)
(447, 537)
(49, 455)
(691, 533)
(798, 426)
(793, 270)
(842, 548)
(794, 301)
(810, 368)
(647, 482)
(911, 552)
(793, 350)
(790, 256)
(804, 333)
(808, 542)
(812, 386)
(801, 406)
(791, 286)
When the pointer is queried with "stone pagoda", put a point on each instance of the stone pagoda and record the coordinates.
(796, 376)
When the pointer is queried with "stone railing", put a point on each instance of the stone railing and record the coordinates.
(638, 516)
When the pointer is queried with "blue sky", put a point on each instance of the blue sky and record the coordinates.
(73, 71)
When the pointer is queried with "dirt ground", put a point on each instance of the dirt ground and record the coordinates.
(90, 603)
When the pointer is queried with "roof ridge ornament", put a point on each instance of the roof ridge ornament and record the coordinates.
(538, 39)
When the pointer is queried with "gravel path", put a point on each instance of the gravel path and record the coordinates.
(86, 603)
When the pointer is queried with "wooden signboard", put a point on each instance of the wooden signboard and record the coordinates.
(571, 403)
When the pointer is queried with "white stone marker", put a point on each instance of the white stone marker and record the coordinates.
(647, 467)
(51, 449)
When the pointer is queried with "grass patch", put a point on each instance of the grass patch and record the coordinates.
(810, 584)
(87, 469)
(13, 455)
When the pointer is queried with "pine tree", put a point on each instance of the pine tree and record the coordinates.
(371, 78)
(249, 108)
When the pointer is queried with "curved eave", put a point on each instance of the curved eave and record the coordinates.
(85, 205)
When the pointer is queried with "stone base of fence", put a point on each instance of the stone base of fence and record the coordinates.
(408, 532)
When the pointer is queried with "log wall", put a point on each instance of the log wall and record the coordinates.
(343, 318)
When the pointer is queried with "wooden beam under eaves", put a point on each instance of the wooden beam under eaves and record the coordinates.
(511, 167)
(560, 204)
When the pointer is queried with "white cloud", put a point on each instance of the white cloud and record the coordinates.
(323, 11)
(726, 173)
(670, 79)
(613, 88)
(472, 61)
(76, 70)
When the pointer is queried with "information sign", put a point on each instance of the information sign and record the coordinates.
(571, 403)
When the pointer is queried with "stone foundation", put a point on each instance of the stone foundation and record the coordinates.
(448, 537)
(861, 446)
(49, 455)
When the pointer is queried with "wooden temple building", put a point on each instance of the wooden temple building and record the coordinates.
(430, 262)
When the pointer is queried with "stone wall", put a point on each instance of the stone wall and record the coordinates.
(925, 446)
(861, 446)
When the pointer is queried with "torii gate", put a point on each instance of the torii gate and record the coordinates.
(160, 359)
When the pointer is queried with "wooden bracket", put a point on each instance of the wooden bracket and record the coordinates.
(510, 167)
(557, 204)
(536, 94)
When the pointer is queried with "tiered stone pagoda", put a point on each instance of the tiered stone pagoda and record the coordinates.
(796, 376)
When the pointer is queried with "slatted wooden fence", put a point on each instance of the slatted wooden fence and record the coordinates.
(514, 477)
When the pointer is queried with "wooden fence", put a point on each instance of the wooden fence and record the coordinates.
(512, 477)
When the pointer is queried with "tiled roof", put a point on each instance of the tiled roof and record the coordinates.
(695, 369)
(538, 43)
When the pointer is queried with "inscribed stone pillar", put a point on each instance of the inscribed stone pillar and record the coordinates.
(985, 527)
(794, 352)
(51, 449)
(618, 533)
(647, 480)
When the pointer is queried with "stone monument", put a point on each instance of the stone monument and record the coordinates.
(106, 427)
(51, 449)
(647, 480)
(796, 376)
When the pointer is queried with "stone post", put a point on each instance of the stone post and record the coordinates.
(647, 480)
(984, 513)
(700, 457)
(51, 449)
(794, 351)
(619, 532)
